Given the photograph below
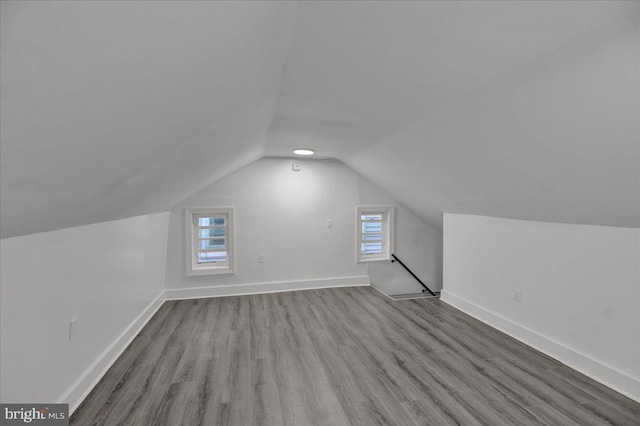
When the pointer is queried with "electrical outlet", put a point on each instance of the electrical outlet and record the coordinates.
(72, 328)
(330, 223)
(261, 258)
(517, 295)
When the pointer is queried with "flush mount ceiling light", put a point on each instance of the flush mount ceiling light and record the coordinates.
(303, 151)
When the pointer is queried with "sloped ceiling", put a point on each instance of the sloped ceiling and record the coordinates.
(514, 109)
(114, 109)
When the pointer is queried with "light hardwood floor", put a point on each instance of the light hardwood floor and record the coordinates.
(339, 357)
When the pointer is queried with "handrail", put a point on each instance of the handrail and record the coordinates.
(395, 259)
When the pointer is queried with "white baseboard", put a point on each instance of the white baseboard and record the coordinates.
(596, 370)
(381, 292)
(92, 375)
(260, 288)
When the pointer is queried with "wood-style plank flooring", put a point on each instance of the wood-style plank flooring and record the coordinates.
(346, 356)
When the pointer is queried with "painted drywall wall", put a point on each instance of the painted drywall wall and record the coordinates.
(579, 284)
(283, 215)
(107, 275)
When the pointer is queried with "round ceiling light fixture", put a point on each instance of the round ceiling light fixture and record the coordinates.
(303, 151)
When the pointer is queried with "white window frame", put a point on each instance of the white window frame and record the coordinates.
(388, 231)
(193, 268)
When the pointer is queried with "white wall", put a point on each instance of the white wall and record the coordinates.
(283, 214)
(580, 289)
(108, 275)
(419, 246)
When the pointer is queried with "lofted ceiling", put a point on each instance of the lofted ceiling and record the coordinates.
(522, 109)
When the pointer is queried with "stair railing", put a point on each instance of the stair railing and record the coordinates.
(395, 259)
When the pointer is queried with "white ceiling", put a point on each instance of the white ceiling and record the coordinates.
(515, 109)
(112, 109)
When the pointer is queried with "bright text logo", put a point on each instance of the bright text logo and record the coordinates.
(36, 414)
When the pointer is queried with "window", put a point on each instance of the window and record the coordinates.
(375, 233)
(209, 241)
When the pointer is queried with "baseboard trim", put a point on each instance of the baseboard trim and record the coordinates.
(261, 288)
(92, 375)
(381, 292)
(607, 375)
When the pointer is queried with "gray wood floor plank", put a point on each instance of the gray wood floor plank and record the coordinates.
(422, 413)
(346, 356)
(597, 390)
(128, 362)
(178, 407)
(144, 399)
(611, 414)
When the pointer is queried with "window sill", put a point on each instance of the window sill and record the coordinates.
(375, 259)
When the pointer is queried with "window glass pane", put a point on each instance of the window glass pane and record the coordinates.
(371, 217)
(371, 248)
(212, 256)
(210, 221)
(372, 237)
(215, 243)
(210, 232)
(371, 227)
